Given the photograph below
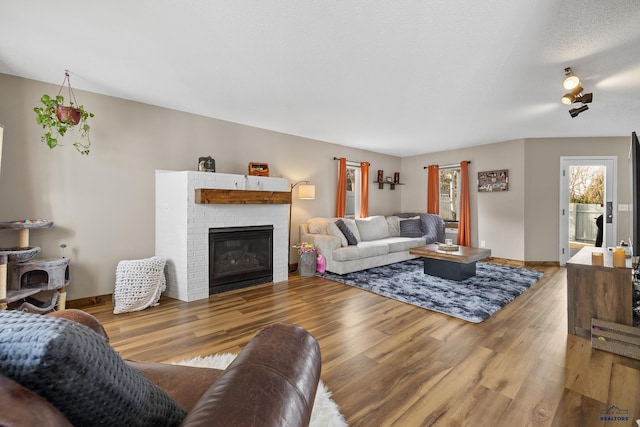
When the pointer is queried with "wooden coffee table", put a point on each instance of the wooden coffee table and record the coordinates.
(453, 265)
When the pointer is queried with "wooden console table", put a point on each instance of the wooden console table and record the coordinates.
(602, 292)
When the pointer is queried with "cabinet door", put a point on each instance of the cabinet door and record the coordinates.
(603, 293)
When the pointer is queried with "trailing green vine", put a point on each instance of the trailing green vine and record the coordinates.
(57, 126)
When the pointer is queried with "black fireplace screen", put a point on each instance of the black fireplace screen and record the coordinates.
(239, 257)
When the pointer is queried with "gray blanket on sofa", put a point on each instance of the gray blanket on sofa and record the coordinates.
(432, 225)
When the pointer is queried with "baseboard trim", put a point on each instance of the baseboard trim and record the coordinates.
(518, 263)
(542, 264)
(89, 301)
(105, 299)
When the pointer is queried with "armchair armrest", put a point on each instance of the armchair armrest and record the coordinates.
(272, 382)
(23, 408)
(325, 243)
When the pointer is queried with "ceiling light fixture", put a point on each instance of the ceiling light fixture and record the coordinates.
(570, 98)
(572, 84)
(571, 81)
(575, 111)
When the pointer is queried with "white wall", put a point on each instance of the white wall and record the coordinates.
(102, 205)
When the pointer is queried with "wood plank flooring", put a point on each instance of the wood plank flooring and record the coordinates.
(393, 364)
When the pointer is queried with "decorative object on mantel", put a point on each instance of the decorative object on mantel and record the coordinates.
(489, 181)
(206, 164)
(258, 169)
(57, 119)
(396, 177)
(306, 191)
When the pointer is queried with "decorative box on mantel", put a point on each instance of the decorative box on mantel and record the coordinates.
(182, 225)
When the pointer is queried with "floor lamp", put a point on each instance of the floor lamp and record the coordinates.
(306, 191)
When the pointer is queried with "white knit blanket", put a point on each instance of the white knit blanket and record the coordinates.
(139, 284)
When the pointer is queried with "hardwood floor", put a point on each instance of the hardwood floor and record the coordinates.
(389, 363)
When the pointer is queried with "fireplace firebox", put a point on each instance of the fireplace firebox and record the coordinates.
(239, 257)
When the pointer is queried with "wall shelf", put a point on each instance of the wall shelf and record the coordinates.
(392, 185)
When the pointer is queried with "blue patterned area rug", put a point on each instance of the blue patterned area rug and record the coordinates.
(474, 300)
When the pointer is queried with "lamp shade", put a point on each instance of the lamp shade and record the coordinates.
(307, 191)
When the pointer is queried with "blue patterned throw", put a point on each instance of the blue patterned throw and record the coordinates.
(474, 300)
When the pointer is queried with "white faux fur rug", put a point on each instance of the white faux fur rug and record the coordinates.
(325, 412)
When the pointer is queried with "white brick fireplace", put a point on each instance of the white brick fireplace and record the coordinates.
(182, 226)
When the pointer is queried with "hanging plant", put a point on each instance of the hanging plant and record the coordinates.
(57, 119)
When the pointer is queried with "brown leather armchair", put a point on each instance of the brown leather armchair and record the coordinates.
(272, 382)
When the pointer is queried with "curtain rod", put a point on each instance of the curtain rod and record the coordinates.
(453, 165)
(348, 161)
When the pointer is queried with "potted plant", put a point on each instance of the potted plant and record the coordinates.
(57, 119)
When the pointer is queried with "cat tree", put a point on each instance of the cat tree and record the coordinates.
(22, 277)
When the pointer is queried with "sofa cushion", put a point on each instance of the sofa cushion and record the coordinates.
(362, 250)
(372, 228)
(410, 228)
(399, 244)
(348, 231)
(333, 230)
(78, 372)
(394, 225)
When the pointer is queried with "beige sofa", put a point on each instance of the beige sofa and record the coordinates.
(379, 240)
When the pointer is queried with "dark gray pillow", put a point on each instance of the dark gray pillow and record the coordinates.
(410, 228)
(78, 372)
(351, 239)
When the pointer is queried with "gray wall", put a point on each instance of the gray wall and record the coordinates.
(496, 218)
(542, 199)
(522, 223)
(103, 205)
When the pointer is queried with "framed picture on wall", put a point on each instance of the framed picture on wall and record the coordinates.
(489, 181)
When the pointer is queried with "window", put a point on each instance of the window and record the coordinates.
(353, 191)
(449, 196)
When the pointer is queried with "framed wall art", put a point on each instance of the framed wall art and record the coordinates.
(489, 181)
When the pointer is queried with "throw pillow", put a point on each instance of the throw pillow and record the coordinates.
(410, 228)
(333, 230)
(78, 372)
(351, 223)
(372, 228)
(351, 239)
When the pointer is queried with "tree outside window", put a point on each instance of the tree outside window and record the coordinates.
(449, 196)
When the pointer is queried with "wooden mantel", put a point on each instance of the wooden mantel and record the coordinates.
(210, 196)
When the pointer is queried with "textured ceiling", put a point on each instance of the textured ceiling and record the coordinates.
(396, 77)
